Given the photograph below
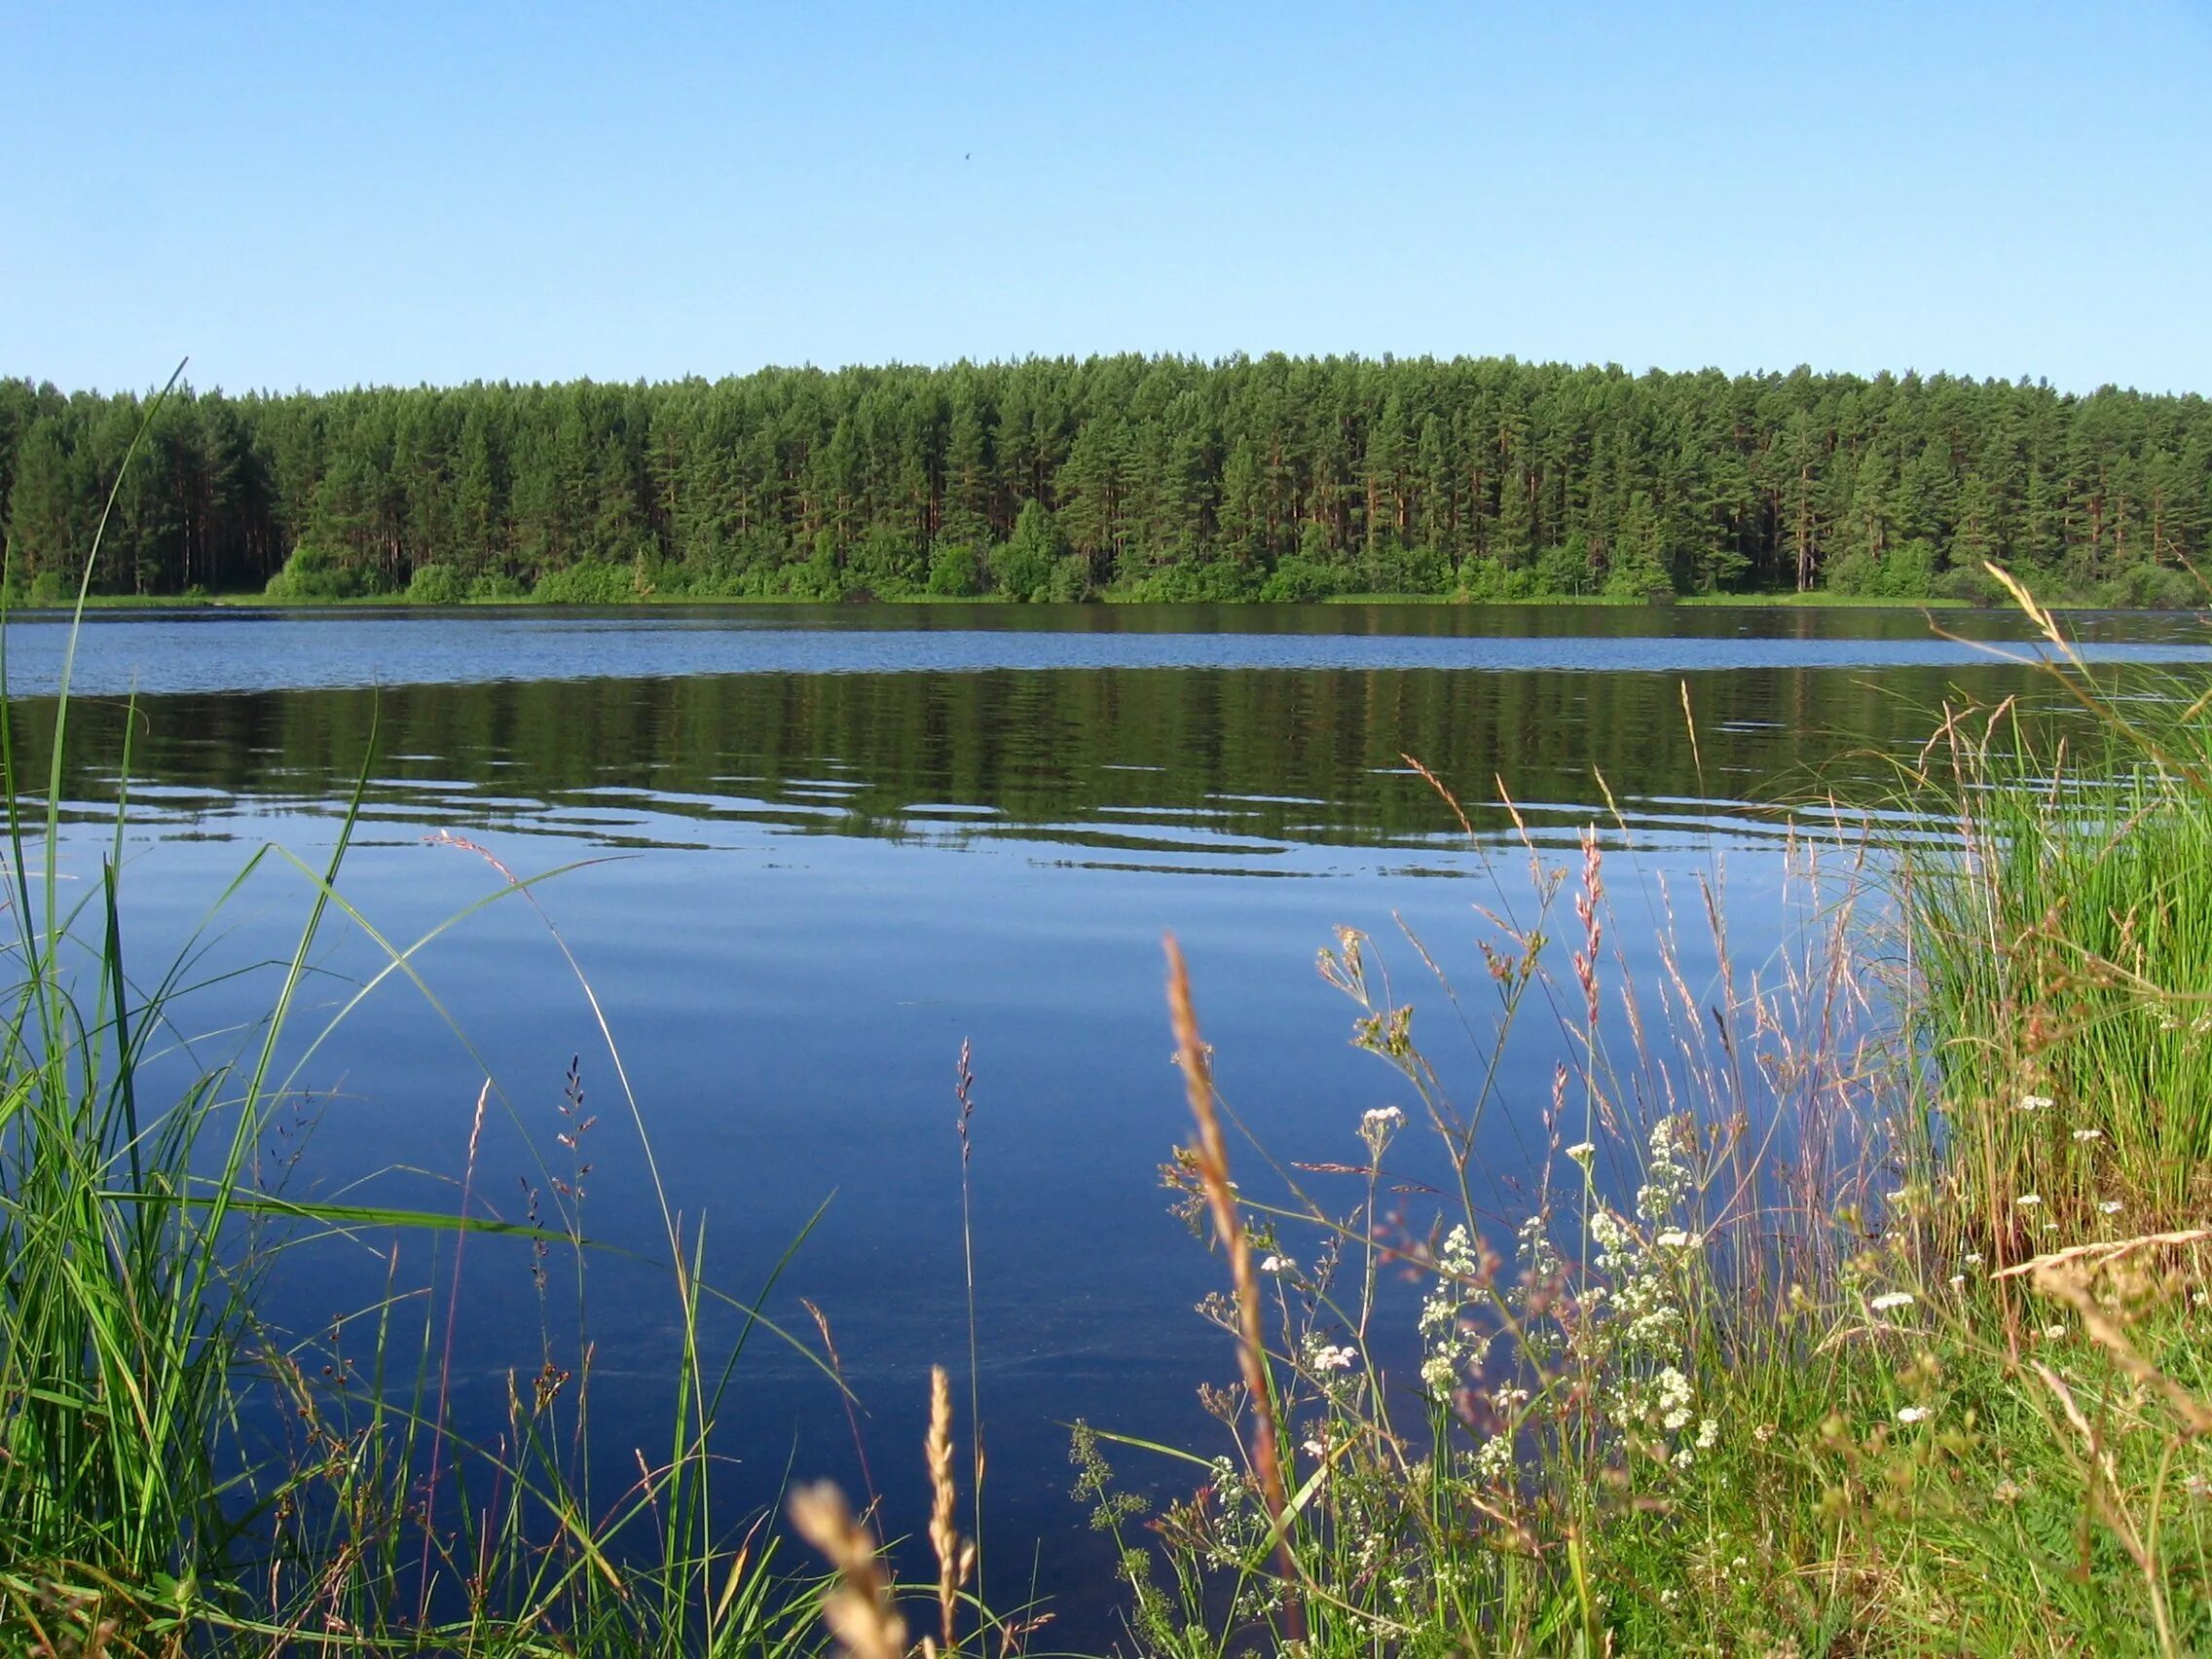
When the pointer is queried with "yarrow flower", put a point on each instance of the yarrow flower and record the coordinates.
(2089, 1134)
(2109, 1206)
(1889, 1298)
(2035, 1102)
(1913, 1414)
(1583, 1152)
(2028, 1201)
(1279, 1265)
(1327, 1358)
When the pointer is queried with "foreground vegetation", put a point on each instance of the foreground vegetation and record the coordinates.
(1858, 1306)
(1134, 477)
(1819, 1333)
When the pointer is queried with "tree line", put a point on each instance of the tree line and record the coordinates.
(1161, 478)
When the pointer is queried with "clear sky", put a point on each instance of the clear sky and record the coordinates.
(309, 196)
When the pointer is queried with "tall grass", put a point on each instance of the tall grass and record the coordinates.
(2065, 957)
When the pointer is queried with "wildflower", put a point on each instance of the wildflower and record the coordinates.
(2028, 1201)
(1973, 1258)
(1583, 1152)
(2197, 1485)
(1457, 1266)
(1957, 1279)
(1327, 1358)
(1377, 1125)
(2035, 1102)
(2005, 1491)
(2053, 1332)
(2109, 1206)
(1889, 1298)
(2089, 1134)
(1913, 1414)
(1494, 1458)
(1277, 1265)
(1313, 1449)
(1674, 1238)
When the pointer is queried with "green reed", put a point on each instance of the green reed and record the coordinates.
(2065, 958)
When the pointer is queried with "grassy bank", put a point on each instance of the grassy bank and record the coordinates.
(1855, 1306)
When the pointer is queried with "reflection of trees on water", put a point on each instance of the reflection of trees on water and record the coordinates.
(1292, 755)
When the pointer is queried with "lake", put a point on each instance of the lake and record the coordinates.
(811, 852)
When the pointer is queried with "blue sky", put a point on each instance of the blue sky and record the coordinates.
(310, 196)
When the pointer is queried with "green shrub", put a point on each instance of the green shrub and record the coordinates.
(499, 587)
(1023, 566)
(588, 581)
(1070, 580)
(887, 562)
(1297, 580)
(956, 572)
(437, 584)
(1567, 569)
(313, 574)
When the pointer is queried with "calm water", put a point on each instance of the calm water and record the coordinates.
(816, 850)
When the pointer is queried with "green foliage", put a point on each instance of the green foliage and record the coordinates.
(887, 562)
(1024, 565)
(1299, 579)
(314, 574)
(496, 587)
(1567, 569)
(956, 571)
(588, 581)
(1905, 572)
(437, 584)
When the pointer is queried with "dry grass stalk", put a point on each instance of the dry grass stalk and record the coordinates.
(2101, 1471)
(1221, 1198)
(2071, 1275)
(955, 1557)
(859, 1610)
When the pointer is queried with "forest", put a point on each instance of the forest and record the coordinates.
(1119, 477)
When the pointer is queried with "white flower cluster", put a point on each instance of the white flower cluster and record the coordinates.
(1446, 1348)
(1640, 1324)
(1323, 1356)
(1377, 1125)
(1242, 1525)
